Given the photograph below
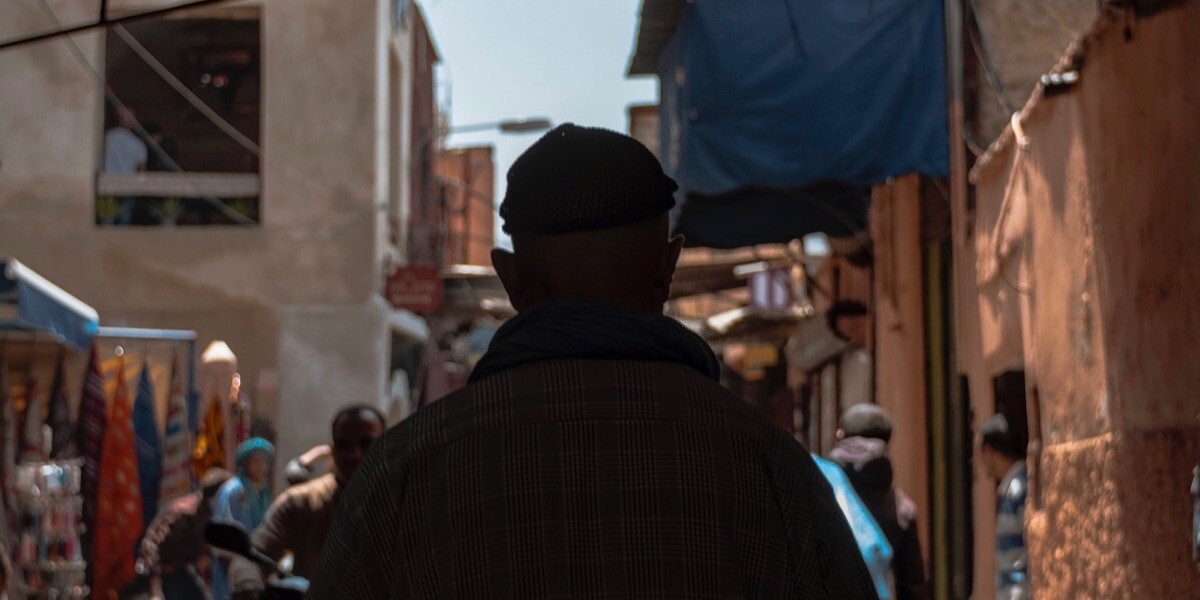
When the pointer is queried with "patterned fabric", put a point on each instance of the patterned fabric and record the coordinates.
(210, 443)
(1012, 563)
(62, 439)
(590, 479)
(31, 423)
(89, 436)
(118, 499)
(177, 456)
(149, 446)
(7, 453)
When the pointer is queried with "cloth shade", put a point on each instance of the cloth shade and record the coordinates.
(177, 456)
(149, 446)
(777, 115)
(118, 500)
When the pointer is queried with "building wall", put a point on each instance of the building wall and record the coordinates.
(468, 178)
(899, 335)
(264, 288)
(1100, 240)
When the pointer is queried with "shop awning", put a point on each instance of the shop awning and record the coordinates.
(29, 302)
(776, 116)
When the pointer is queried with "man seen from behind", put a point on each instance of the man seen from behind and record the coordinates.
(593, 452)
(862, 451)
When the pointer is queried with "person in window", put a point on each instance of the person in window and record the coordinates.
(1000, 456)
(244, 499)
(593, 452)
(862, 451)
(124, 154)
(299, 519)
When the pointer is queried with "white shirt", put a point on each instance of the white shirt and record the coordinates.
(123, 151)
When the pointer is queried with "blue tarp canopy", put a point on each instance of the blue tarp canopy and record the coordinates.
(763, 101)
(28, 302)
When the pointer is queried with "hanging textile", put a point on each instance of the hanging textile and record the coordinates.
(210, 448)
(89, 437)
(62, 441)
(118, 500)
(7, 456)
(31, 423)
(149, 446)
(177, 458)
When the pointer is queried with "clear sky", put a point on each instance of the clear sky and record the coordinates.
(561, 59)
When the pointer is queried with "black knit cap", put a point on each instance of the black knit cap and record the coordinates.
(584, 179)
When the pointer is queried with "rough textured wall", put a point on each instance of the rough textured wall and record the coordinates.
(1025, 39)
(1110, 244)
(1103, 532)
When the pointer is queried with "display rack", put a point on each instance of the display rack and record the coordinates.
(47, 555)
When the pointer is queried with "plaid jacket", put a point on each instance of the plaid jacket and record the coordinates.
(590, 479)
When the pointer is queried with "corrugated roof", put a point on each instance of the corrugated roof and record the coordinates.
(657, 24)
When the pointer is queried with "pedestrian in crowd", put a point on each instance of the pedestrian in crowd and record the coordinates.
(174, 545)
(243, 499)
(862, 451)
(304, 467)
(1001, 457)
(124, 154)
(299, 519)
(593, 451)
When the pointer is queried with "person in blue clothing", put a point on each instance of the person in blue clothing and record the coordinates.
(243, 499)
(1000, 456)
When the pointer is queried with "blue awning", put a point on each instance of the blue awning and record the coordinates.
(776, 116)
(29, 302)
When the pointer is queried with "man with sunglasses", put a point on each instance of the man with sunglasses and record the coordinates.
(299, 519)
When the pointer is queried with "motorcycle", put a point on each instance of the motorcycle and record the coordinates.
(233, 538)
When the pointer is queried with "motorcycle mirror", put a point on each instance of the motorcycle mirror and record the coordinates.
(228, 536)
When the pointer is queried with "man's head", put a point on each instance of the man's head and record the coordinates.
(997, 447)
(866, 421)
(126, 117)
(211, 483)
(355, 428)
(587, 212)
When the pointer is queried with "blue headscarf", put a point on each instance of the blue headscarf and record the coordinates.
(257, 501)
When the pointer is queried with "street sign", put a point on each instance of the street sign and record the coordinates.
(418, 289)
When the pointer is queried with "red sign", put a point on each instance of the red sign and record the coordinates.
(418, 289)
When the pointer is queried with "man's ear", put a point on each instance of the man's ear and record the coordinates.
(505, 264)
(666, 268)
